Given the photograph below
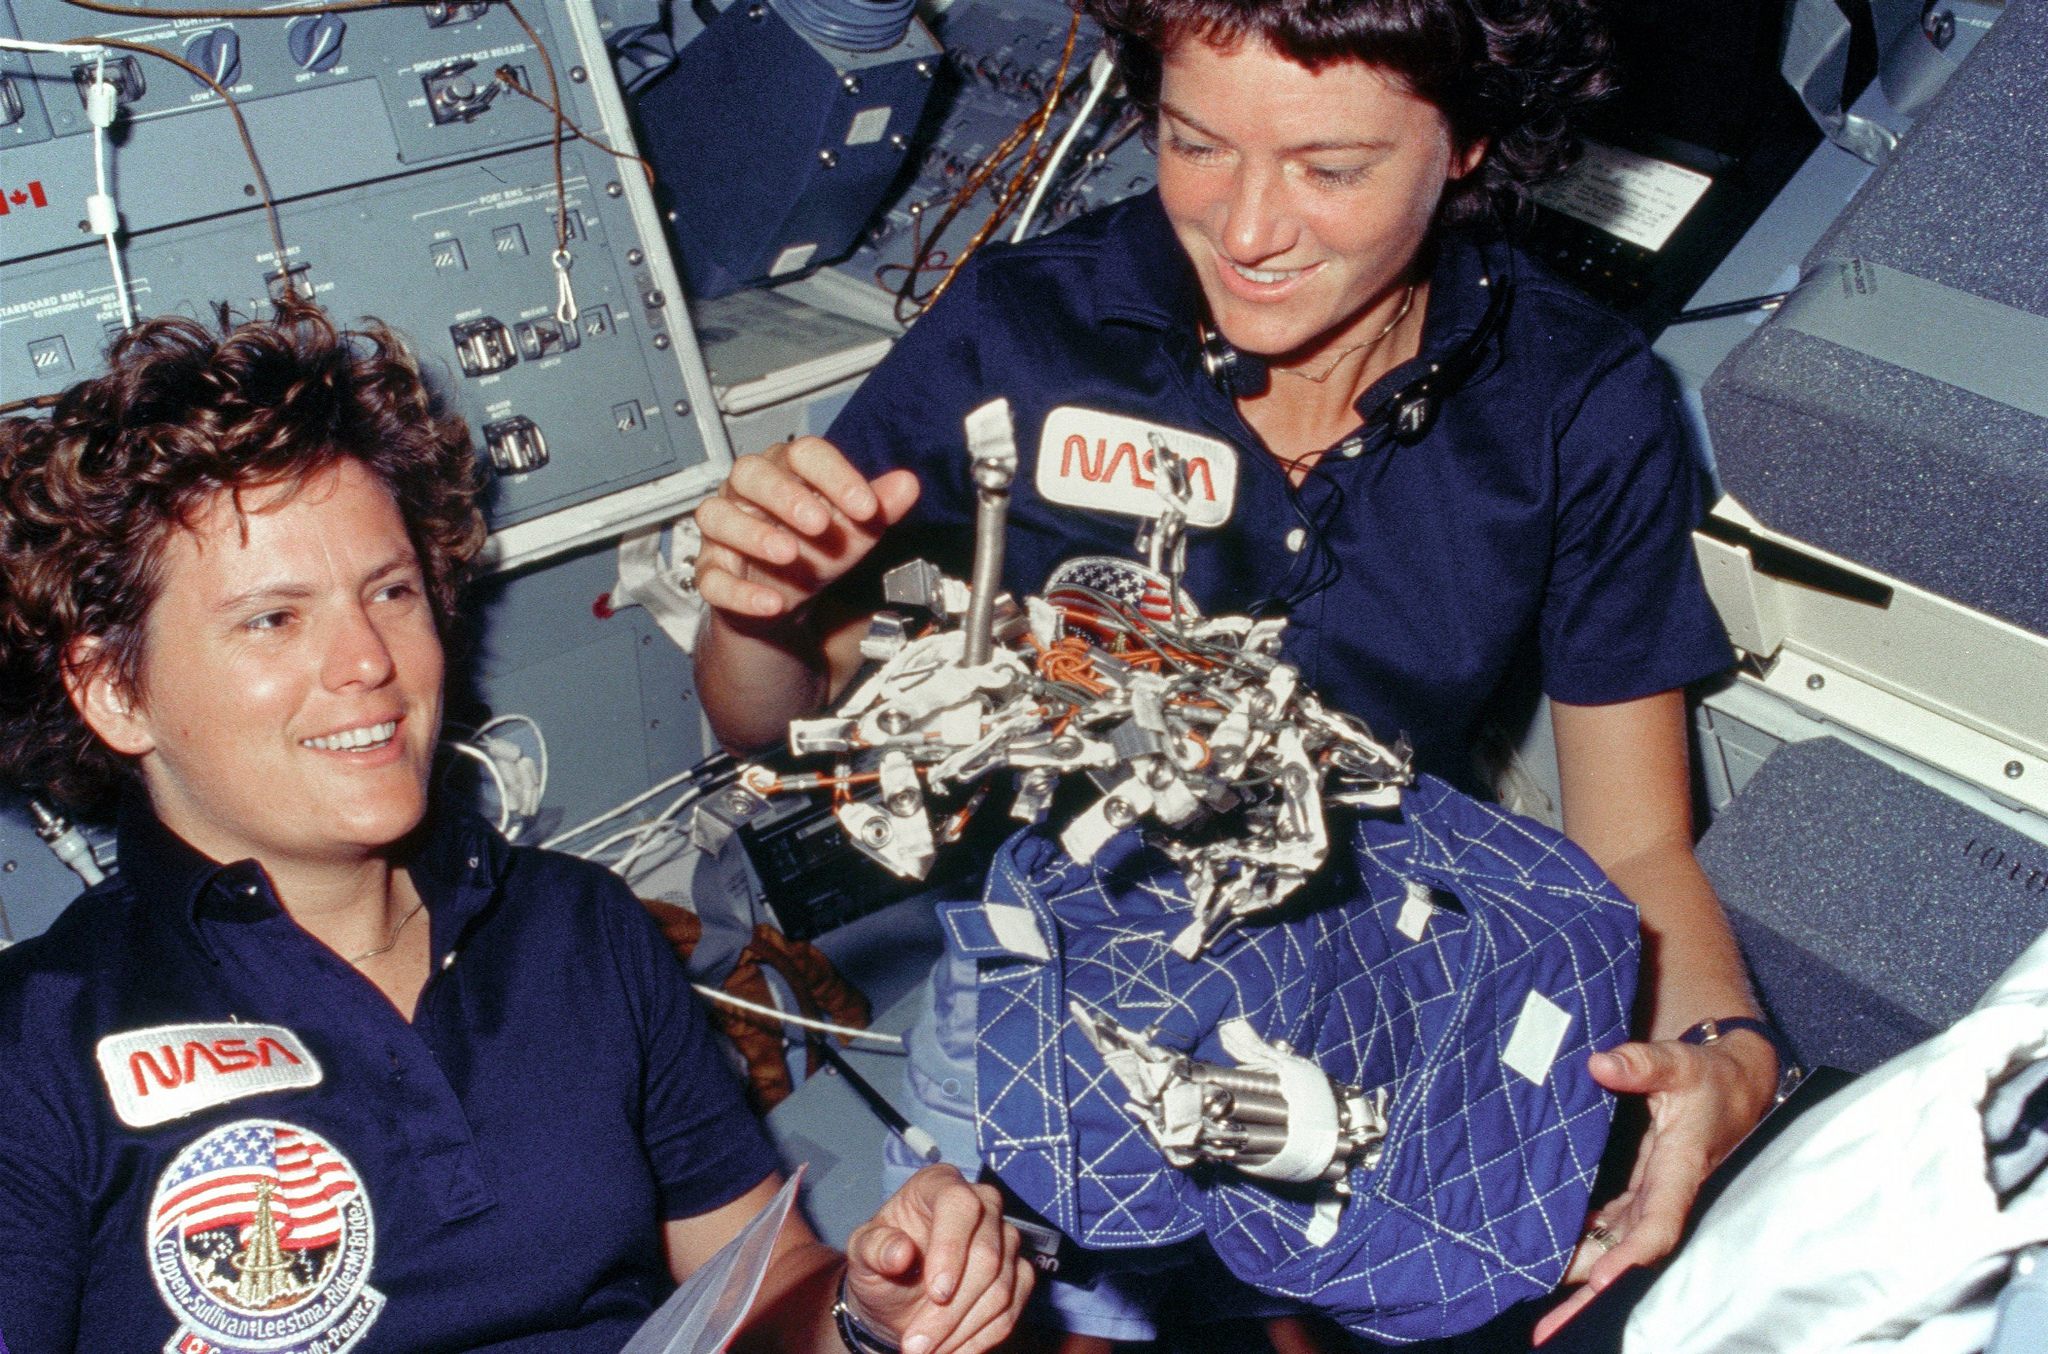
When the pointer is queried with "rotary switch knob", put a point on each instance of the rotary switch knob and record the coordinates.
(218, 52)
(315, 41)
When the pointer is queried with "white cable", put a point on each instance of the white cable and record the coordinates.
(635, 802)
(52, 48)
(1100, 71)
(540, 742)
(497, 778)
(640, 834)
(632, 833)
(791, 1018)
(651, 830)
(624, 867)
(102, 106)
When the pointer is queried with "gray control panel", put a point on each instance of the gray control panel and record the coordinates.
(412, 183)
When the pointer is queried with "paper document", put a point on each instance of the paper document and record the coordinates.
(703, 1315)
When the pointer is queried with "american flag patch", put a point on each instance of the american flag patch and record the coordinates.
(218, 1184)
(1079, 585)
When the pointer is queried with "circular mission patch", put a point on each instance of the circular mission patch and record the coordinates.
(260, 1239)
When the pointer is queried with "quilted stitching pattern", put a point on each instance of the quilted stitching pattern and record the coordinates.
(1481, 1191)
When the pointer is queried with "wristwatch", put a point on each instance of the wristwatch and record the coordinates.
(1790, 1073)
(855, 1334)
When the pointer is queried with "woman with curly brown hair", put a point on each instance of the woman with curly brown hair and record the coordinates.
(324, 1066)
(1454, 474)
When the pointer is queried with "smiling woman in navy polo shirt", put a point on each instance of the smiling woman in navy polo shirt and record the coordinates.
(321, 1068)
(1448, 469)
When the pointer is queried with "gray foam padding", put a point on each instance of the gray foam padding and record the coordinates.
(1917, 479)
(1873, 909)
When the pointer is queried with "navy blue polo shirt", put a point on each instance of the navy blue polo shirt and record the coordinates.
(217, 1135)
(1539, 531)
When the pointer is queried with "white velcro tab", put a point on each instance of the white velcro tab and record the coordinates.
(1089, 458)
(1322, 1224)
(1016, 930)
(167, 1072)
(1539, 1029)
(1416, 910)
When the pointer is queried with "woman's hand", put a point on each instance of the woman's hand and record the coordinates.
(937, 1269)
(1703, 1100)
(787, 523)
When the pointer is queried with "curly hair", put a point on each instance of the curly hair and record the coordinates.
(1518, 73)
(90, 495)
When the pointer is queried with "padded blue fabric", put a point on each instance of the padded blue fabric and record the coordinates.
(1481, 1193)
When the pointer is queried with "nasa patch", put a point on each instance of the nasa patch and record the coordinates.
(260, 1242)
(166, 1072)
(1089, 458)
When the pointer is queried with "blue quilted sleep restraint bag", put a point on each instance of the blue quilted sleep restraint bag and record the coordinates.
(1476, 1001)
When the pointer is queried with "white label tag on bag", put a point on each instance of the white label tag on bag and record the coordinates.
(1539, 1030)
(1416, 910)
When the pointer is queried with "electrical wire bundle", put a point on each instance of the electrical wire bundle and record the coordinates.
(1028, 164)
(520, 781)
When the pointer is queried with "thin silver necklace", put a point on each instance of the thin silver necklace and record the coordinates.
(1407, 303)
(391, 941)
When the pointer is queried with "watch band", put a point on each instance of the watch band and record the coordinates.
(855, 1334)
(1790, 1073)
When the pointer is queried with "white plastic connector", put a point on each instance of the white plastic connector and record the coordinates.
(102, 103)
(101, 215)
(520, 776)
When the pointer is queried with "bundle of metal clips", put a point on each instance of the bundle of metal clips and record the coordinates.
(1191, 722)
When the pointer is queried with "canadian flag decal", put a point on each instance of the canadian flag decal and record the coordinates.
(30, 194)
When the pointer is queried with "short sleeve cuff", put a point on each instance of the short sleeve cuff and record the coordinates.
(737, 1159)
(1605, 681)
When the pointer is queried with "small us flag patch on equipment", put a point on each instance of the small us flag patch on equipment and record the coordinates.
(1079, 585)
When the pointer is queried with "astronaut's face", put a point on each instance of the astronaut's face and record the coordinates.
(1301, 196)
(290, 693)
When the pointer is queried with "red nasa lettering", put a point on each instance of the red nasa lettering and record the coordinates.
(1100, 465)
(1100, 461)
(172, 1067)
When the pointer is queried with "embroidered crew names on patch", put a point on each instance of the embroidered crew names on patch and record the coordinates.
(1090, 458)
(167, 1072)
(260, 1241)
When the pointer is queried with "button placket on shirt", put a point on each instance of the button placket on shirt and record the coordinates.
(352, 1021)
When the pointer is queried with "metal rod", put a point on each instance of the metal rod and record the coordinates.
(991, 442)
